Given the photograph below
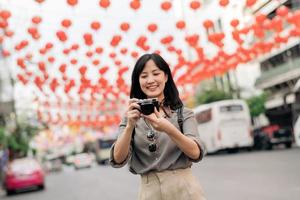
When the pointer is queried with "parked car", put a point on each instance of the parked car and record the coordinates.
(268, 136)
(83, 160)
(102, 151)
(24, 173)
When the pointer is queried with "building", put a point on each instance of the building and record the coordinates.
(280, 70)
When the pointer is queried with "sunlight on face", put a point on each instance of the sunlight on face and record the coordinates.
(152, 81)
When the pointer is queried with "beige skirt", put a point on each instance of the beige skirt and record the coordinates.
(178, 184)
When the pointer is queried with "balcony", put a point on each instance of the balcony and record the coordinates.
(282, 73)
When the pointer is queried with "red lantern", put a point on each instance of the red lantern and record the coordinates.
(99, 50)
(104, 3)
(74, 46)
(66, 23)
(166, 5)
(3, 24)
(88, 39)
(95, 25)
(123, 51)
(152, 27)
(125, 26)
(234, 23)
(49, 45)
(223, 3)
(82, 70)
(72, 2)
(282, 11)
(195, 5)
(9, 33)
(135, 4)
(134, 54)
(39, 1)
(62, 68)
(96, 62)
(5, 14)
(250, 3)
(61, 36)
(73, 61)
(42, 66)
(89, 54)
(115, 40)
(180, 24)
(208, 24)
(36, 20)
(260, 18)
(51, 59)
(103, 70)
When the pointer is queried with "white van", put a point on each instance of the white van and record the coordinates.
(297, 131)
(224, 124)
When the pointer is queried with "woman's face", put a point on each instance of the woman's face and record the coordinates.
(152, 81)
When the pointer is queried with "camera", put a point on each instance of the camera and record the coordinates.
(147, 105)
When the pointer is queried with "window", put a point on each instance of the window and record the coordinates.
(204, 116)
(231, 108)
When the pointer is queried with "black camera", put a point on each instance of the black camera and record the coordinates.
(147, 105)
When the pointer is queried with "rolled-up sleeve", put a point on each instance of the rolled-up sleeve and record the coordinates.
(112, 161)
(190, 129)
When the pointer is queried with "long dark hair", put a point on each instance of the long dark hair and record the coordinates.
(170, 91)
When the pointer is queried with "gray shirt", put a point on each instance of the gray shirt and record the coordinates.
(167, 156)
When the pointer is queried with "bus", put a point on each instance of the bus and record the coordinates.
(224, 125)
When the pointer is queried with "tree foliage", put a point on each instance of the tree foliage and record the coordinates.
(257, 104)
(212, 96)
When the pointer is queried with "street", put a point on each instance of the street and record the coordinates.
(259, 175)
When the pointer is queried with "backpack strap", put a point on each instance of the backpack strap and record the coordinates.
(180, 118)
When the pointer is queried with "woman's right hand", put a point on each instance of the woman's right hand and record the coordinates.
(133, 112)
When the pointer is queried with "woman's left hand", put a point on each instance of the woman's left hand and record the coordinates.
(157, 121)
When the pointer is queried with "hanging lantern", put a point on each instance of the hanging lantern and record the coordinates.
(62, 68)
(152, 27)
(95, 25)
(104, 3)
(36, 20)
(135, 4)
(125, 26)
(195, 5)
(99, 50)
(89, 54)
(115, 40)
(72, 2)
(88, 39)
(82, 70)
(282, 11)
(208, 24)
(61, 36)
(166, 5)
(223, 3)
(250, 3)
(5, 14)
(66, 23)
(234, 23)
(180, 24)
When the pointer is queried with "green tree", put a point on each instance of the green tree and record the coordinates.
(3, 139)
(212, 96)
(257, 104)
(18, 141)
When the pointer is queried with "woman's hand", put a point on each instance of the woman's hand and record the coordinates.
(133, 112)
(157, 121)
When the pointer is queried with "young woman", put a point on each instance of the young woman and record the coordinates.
(157, 146)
